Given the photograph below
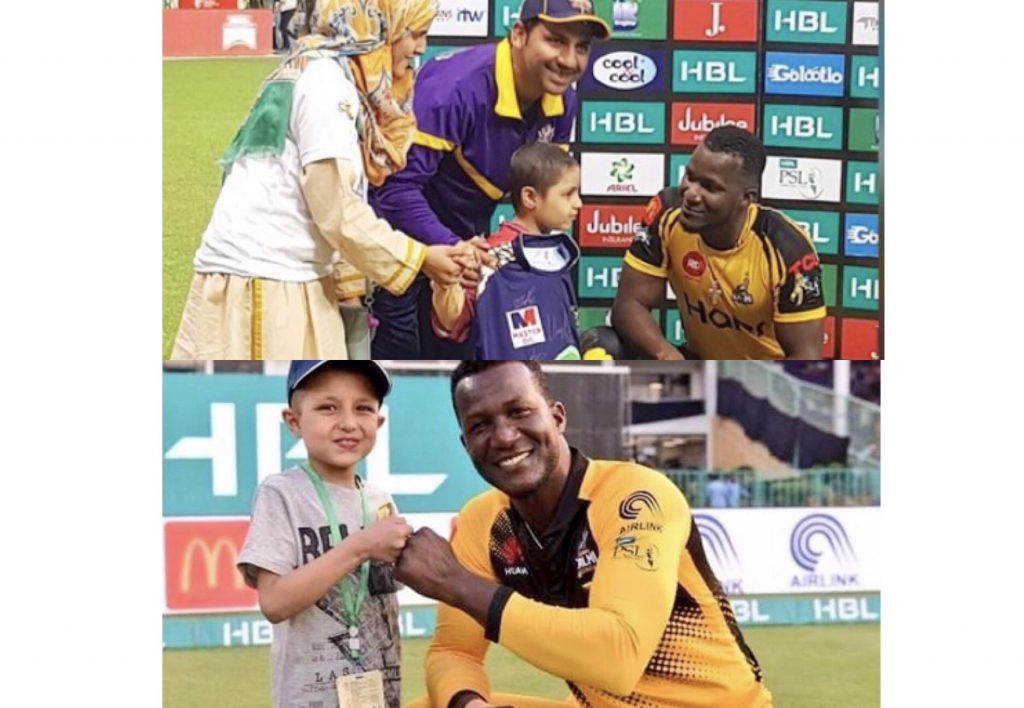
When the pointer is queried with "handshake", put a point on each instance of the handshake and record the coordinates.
(423, 560)
(459, 264)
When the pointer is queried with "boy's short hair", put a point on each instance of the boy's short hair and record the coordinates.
(537, 165)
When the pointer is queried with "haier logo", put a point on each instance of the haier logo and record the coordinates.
(809, 127)
(820, 546)
(865, 23)
(716, 21)
(609, 226)
(714, 72)
(861, 235)
(633, 174)
(525, 326)
(802, 178)
(692, 121)
(804, 74)
(460, 18)
(613, 122)
(625, 71)
(721, 553)
(806, 21)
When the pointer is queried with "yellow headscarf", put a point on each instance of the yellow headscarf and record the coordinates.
(363, 31)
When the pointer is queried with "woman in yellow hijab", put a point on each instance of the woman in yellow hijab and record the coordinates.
(291, 232)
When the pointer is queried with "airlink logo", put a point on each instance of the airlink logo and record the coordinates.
(609, 226)
(200, 560)
(722, 554)
(692, 121)
(819, 543)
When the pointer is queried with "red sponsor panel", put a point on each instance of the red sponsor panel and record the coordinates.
(860, 339)
(217, 33)
(609, 226)
(828, 339)
(199, 566)
(692, 121)
(711, 21)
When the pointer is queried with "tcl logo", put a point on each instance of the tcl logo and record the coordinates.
(807, 263)
(711, 21)
(693, 264)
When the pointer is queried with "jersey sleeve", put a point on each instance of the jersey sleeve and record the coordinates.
(455, 659)
(648, 253)
(800, 295)
(641, 523)
(269, 543)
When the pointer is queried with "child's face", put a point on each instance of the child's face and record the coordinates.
(558, 207)
(337, 416)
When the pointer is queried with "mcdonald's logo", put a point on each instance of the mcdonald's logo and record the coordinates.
(200, 559)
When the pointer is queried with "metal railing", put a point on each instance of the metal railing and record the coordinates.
(848, 486)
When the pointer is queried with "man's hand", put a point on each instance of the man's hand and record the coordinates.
(428, 566)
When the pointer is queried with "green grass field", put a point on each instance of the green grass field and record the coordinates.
(805, 667)
(205, 101)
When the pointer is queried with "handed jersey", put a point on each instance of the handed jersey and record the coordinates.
(730, 301)
(616, 596)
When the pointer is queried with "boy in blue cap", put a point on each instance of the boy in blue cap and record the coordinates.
(321, 543)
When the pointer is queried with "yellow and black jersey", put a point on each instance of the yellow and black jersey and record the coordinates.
(731, 300)
(616, 596)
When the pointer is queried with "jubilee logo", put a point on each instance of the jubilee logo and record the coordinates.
(811, 127)
(711, 21)
(801, 74)
(692, 121)
(635, 72)
(610, 226)
(618, 122)
(808, 21)
(714, 72)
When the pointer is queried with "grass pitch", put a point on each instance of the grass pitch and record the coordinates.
(805, 667)
(205, 102)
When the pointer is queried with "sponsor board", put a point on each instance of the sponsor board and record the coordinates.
(865, 76)
(714, 72)
(860, 235)
(632, 72)
(676, 169)
(829, 279)
(634, 122)
(715, 21)
(621, 174)
(821, 226)
(860, 339)
(862, 182)
(809, 127)
(199, 566)
(674, 332)
(460, 18)
(865, 24)
(598, 276)
(806, 21)
(828, 338)
(800, 74)
(865, 130)
(634, 19)
(860, 288)
(802, 178)
(692, 121)
(609, 225)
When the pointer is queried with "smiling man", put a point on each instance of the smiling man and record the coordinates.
(474, 107)
(590, 570)
(747, 279)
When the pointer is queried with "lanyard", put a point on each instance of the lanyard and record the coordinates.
(351, 603)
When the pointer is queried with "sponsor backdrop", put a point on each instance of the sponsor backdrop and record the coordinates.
(803, 74)
(223, 434)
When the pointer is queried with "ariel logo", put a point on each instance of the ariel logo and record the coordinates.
(622, 170)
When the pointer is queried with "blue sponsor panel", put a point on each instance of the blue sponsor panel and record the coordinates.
(861, 237)
(800, 74)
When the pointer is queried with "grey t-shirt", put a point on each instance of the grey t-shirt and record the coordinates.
(289, 529)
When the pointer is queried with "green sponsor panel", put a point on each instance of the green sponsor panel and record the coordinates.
(714, 72)
(590, 317)
(506, 12)
(860, 288)
(862, 182)
(822, 226)
(809, 127)
(864, 130)
(674, 332)
(223, 433)
(502, 212)
(806, 21)
(635, 122)
(828, 282)
(598, 276)
(865, 76)
(252, 629)
(676, 167)
(634, 19)
(432, 51)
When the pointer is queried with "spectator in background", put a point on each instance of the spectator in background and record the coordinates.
(734, 491)
(716, 493)
(286, 9)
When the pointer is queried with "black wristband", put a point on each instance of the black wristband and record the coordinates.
(493, 628)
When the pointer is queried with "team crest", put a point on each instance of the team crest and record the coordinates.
(741, 294)
(546, 133)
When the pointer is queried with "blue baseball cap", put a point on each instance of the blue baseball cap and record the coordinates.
(564, 11)
(301, 369)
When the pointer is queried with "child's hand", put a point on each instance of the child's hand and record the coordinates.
(483, 251)
(384, 540)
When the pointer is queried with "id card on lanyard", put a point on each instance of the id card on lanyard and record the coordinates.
(351, 598)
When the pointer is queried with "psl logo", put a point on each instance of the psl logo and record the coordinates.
(820, 542)
(724, 559)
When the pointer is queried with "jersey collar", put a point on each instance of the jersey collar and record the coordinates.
(507, 104)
